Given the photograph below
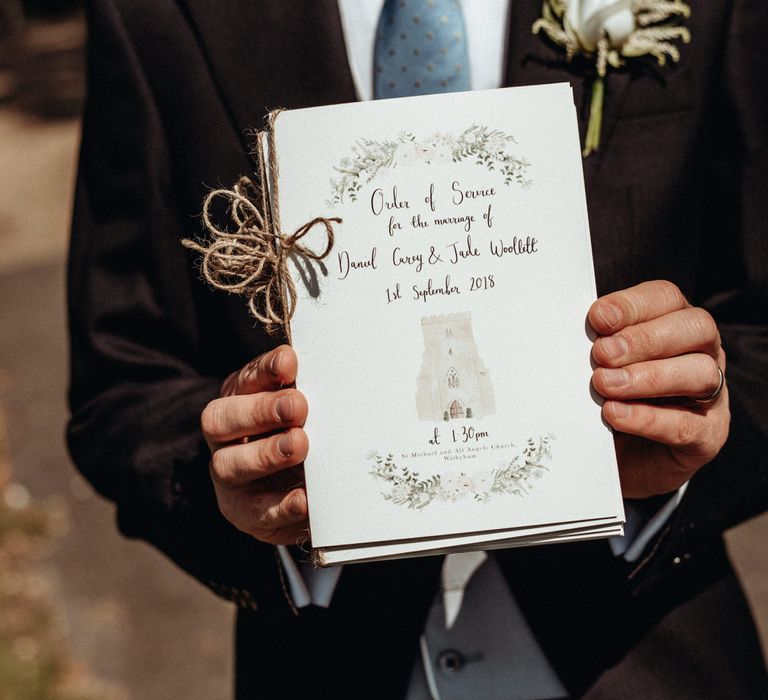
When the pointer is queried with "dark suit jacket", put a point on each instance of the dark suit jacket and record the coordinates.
(679, 190)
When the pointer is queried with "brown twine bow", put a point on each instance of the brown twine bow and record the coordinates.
(253, 259)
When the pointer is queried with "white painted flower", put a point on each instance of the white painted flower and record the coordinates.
(495, 143)
(400, 491)
(449, 481)
(423, 151)
(591, 20)
(465, 484)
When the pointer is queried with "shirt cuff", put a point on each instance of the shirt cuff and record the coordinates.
(307, 584)
(640, 529)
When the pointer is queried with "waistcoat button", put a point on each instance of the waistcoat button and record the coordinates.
(450, 661)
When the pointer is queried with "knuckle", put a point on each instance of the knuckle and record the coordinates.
(229, 385)
(211, 419)
(284, 511)
(275, 517)
(642, 342)
(270, 457)
(631, 306)
(703, 326)
(671, 293)
(219, 470)
(627, 300)
(243, 375)
(252, 370)
(260, 519)
(235, 464)
(648, 421)
(654, 377)
(688, 432)
(263, 410)
(269, 515)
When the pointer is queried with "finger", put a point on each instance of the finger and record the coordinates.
(272, 512)
(693, 376)
(262, 514)
(677, 333)
(272, 370)
(236, 417)
(693, 435)
(240, 463)
(298, 535)
(628, 307)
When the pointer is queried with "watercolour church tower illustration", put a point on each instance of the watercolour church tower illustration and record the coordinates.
(453, 382)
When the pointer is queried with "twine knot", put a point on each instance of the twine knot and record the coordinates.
(252, 259)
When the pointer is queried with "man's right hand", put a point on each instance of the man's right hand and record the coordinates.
(257, 447)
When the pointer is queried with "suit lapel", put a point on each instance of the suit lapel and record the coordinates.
(269, 54)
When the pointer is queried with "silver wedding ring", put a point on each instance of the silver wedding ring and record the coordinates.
(716, 393)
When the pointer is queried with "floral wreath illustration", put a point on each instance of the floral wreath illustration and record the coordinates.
(406, 488)
(488, 147)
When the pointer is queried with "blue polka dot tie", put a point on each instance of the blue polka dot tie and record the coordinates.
(421, 48)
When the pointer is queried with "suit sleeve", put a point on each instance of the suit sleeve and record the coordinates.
(138, 382)
(734, 288)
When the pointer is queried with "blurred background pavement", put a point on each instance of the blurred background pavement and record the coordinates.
(84, 613)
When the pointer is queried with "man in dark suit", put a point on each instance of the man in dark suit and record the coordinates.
(677, 192)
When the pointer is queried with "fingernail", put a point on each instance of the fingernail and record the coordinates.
(615, 377)
(621, 410)
(295, 505)
(284, 408)
(615, 346)
(274, 364)
(284, 445)
(610, 314)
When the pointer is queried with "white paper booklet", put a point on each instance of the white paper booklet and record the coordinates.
(443, 345)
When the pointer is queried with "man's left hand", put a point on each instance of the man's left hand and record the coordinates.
(657, 354)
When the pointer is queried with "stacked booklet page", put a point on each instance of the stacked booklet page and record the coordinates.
(443, 344)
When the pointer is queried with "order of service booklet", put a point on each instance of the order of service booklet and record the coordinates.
(443, 344)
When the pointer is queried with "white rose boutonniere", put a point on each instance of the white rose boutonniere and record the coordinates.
(610, 32)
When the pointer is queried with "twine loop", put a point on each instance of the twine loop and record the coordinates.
(251, 258)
